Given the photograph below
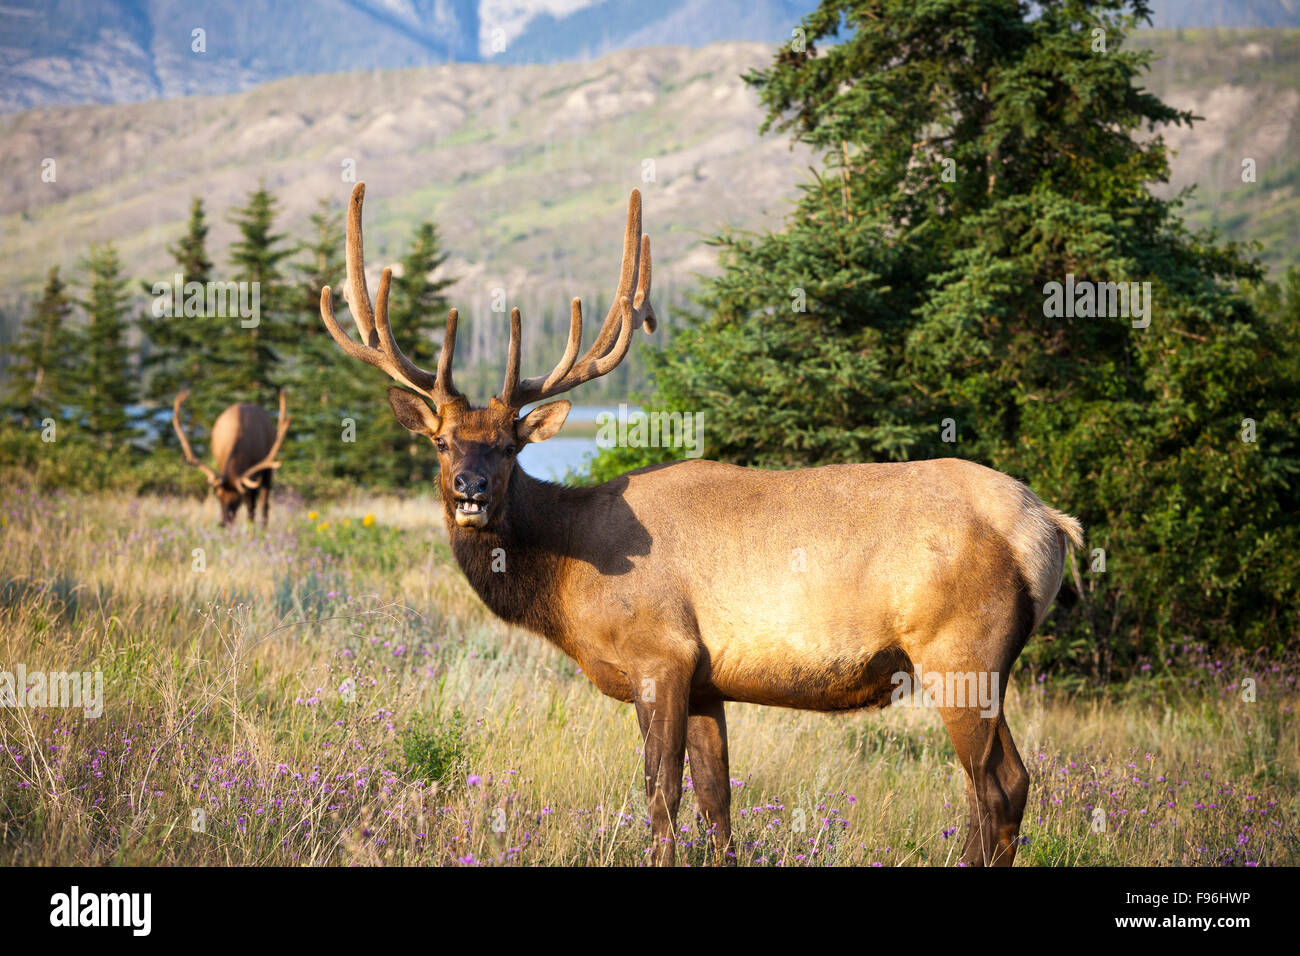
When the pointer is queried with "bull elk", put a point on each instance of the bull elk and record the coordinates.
(245, 446)
(674, 586)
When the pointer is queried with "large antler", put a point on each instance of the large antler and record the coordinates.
(628, 313)
(185, 442)
(246, 479)
(377, 346)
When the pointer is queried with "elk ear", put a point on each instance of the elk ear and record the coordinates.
(413, 413)
(542, 422)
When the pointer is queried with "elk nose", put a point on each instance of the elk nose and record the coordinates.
(471, 486)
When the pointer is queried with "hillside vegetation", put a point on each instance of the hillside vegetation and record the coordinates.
(527, 168)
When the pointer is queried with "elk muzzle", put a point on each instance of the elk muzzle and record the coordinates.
(471, 499)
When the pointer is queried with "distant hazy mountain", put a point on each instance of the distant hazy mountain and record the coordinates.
(1173, 14)
(595, 29)
(526, 168)
(63, 52)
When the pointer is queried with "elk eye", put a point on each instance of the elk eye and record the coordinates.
(441, 443)
(510, 451)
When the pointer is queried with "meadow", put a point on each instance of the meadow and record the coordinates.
(330, 691)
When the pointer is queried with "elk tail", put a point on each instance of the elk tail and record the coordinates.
(1069, 527)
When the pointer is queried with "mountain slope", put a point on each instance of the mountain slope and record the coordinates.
(526, 168)
(62, 52)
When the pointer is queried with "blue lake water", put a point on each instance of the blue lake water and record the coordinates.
(552, 459)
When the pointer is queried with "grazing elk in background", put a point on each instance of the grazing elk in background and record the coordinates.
(682, 586)
(244, 446)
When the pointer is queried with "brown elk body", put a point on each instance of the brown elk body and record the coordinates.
(681, 587)
(245, 444)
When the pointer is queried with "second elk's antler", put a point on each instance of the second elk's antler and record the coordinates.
(185, 442)
(631, 310)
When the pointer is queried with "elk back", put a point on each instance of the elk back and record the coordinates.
(241, 436)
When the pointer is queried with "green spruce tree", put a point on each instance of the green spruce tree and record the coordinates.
(975, 156)
(250, 349)
(103, 379)
(180, 349)
(42, 358)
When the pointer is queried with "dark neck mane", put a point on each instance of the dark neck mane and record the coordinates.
(533, 535)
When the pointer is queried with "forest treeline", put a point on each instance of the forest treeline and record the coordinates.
(100, 357)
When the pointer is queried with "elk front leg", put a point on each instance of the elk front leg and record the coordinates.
(265, 491)
(661, 709)
(250, 499)
(706, 739)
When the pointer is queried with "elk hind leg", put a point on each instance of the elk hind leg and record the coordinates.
(997, 784)
(706, 740)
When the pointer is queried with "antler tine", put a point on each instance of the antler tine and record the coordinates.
(445, 389)
(368, 355)
(609, 361)
(282, 429)
(642, 311)
(538, 385)
(571, 348)
(371, 356)
(511, 382)
(358, 294)
(185, 442)
(417, 377)
(628, 277)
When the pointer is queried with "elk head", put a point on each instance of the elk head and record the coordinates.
(477, 446)
(233, 480)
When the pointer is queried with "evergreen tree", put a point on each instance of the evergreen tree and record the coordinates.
(248, 349)
(180, 349)
(339, 414)
(418, 306)
(973, 154)
(42, 357)
(102, 378)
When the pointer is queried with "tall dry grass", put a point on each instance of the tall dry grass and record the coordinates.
(330, 691)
